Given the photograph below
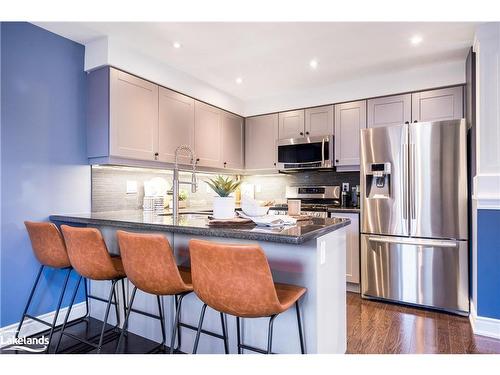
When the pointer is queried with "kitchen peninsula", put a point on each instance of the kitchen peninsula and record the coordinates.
(311, 253)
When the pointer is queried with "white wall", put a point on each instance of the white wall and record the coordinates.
(108, 51)
(418, 78)
(487, 180)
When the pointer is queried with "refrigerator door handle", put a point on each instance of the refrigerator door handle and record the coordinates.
(412, 241)
(412, 182)
(405, 181)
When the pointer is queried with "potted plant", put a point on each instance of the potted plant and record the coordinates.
(224, 205)
(183, 196)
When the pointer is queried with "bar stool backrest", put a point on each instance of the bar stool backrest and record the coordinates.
(149, 263)
(88, 253)
(233, 279)
(48, 244)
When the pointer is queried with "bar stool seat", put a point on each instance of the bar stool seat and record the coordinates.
(236, 279)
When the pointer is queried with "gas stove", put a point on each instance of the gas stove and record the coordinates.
(315, 200)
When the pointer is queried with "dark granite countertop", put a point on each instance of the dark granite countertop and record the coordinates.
(197, 224)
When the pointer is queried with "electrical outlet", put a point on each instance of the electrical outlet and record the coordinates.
(322, 252)
(131, 187)
(345, 186)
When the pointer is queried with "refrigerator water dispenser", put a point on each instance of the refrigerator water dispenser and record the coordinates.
(378, 181)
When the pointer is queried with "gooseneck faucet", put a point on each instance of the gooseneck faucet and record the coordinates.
(176, 182)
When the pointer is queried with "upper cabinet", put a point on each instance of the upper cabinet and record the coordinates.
(389, 110)
(437, 105)
(133, 116)
(319, 121)
(350, 118)
(208, 135)
(261, 133)
(232, 141)
(175, 124)
(291, 124)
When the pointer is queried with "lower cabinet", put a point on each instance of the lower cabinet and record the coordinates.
(352, 246)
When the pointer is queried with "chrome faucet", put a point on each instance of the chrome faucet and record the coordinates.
(176, 182)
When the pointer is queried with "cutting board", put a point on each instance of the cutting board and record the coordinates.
(233, 221)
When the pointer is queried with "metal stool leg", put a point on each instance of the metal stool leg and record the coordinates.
(115, 298)
(162, 322)
(29, 301)
(125, 324)
(111, 293)
(224, 333)
(299, 324)
(238, 335)
(67, 314)
(270, 335)
(200, 325)
(54, 321)
(176, 329)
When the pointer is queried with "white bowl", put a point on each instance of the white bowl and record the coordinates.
(252, 210)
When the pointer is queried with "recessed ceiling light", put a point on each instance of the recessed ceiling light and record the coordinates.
(239, 80)
(176, 45)
(313, 64)
(416, 39)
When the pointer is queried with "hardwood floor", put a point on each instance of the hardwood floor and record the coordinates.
(372, 328)
(384, 328)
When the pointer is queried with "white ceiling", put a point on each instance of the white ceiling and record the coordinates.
(273, 58)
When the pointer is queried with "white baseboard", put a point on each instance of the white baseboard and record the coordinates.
(483, 326)
(31, 326)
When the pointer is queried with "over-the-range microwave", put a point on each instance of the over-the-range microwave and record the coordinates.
(305, 153)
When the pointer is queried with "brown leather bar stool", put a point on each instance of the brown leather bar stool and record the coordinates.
(236, 280)
(89, 256)
(50, 250)
(149, 264)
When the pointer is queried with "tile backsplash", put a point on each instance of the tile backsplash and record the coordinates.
(109, 185)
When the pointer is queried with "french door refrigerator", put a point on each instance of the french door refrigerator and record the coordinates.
(414, 215)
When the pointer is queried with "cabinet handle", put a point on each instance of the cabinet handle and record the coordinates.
(225, 163)
(301, 133)
(156, 154)
(415, 121)
(307, 133)
(407, 122)
(336, 160)
(197, 160)
(275, 164)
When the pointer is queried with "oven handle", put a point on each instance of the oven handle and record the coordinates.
(323, 152)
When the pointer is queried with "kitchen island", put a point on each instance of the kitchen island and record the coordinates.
(311, 253)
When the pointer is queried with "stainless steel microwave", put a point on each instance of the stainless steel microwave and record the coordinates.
(305, 153)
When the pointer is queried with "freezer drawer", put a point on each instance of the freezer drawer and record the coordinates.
(425, 272)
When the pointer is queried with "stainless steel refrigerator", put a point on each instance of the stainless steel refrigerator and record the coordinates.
(414, 214)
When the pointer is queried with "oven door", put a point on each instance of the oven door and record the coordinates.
(303, 153)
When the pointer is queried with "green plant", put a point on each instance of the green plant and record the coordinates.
(183, 195)
(223, 186)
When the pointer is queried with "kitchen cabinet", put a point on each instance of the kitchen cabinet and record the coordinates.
(133, 120)
(350, 118)
(261, 134)
(291, 124)
(232, 141)
(319, 121)
(175, 124)
(208, 135)
(389, 110)
(352, 246)
(437, 105)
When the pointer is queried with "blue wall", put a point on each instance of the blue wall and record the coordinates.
(488, 263)
(43, 153)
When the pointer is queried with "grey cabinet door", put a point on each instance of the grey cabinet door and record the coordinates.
(133, 116)
(349, 119)
(291, 124)
(352, 247)
(232, 141)
(319, 121)
(175, 124)
(437, 105)
(389, 111)
(208, 135)
(261, 133)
